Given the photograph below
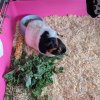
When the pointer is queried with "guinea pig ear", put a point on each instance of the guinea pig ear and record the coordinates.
(61, 46)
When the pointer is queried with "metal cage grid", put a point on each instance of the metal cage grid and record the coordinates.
(3, 9)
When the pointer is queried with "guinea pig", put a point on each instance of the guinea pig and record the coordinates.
(43, 38)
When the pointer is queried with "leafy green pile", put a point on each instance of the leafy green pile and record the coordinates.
(34, 72)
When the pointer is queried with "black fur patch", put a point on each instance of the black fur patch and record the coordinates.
(46, 43)
(43, 41)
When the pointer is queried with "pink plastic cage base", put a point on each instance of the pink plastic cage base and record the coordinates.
(17, 9)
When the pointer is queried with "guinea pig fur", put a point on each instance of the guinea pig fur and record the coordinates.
(44, 39)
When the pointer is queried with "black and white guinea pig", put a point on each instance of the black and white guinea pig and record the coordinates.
(43, 38)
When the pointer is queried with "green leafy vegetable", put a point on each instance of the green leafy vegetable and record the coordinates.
(34, 72)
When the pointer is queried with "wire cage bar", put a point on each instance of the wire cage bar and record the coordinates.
(3, 9)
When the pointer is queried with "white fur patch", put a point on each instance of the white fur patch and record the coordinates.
(52, 33)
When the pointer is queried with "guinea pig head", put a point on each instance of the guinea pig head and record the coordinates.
(47, 43)
(52, 45)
